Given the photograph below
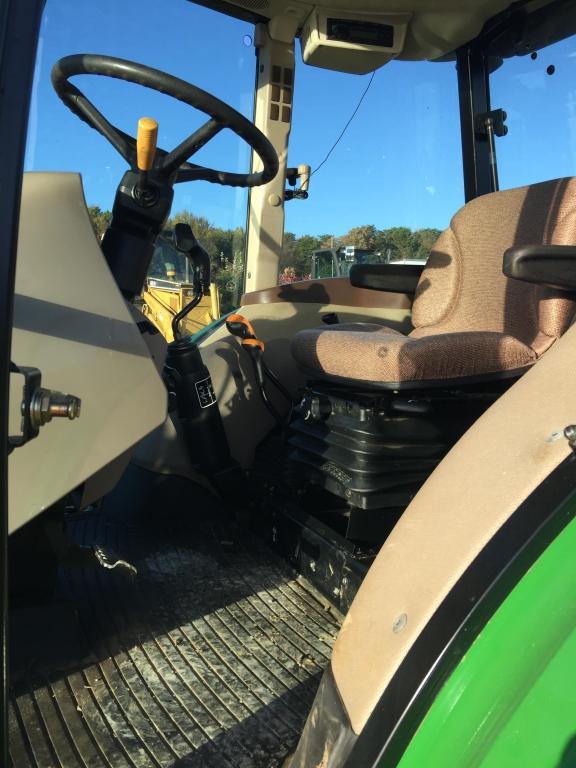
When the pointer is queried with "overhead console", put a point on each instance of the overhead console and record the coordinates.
(352, 42)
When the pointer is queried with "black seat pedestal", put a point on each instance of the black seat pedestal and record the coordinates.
(374, 449)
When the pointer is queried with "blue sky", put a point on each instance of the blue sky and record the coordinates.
(173, 35)
(399, 161)
(398, 164)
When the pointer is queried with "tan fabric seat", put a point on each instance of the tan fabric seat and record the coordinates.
(469, 319)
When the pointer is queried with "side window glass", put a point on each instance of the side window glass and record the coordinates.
(538, 93)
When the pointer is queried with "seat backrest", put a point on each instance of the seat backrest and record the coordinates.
(463, 287)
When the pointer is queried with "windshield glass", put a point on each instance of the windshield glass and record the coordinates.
(392, 181)
(177, 37)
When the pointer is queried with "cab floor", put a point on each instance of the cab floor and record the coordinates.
(210, 656)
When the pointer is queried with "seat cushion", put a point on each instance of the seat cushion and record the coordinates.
(375, 355)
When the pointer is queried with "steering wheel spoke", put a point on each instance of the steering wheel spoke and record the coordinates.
(130, 144)
(167, 163)
(87, 112)
(191, 172)
(191, 145)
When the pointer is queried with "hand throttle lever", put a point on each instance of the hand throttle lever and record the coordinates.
(243, 329)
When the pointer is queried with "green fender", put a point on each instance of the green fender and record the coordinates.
(511, 701)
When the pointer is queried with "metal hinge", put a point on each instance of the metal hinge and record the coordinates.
(570, 435)
(491, 122)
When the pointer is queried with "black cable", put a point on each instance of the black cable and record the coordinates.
(352, 116)
(277, 418)
(279, 386)
(276, 381)
(258, 373)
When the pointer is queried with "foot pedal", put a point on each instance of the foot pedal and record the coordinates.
(77, 556)
(107, 559)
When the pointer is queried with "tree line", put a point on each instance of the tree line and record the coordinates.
(395, 244)
(226, 248)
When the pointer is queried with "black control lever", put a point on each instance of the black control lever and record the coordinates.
(185, 242)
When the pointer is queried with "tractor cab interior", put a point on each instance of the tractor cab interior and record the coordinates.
(232, 498)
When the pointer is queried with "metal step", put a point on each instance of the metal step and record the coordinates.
(210, 656)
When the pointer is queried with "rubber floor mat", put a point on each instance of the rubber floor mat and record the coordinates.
(209, 656)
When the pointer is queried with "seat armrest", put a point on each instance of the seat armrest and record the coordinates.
(396, 278)
(551, 265)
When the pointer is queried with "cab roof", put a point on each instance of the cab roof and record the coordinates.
(435, 27)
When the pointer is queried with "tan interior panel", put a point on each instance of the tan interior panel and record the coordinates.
(72, 323)
(510, 450)
(273, 118)
(432, 31)
(332, 290)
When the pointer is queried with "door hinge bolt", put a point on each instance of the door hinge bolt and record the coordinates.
(47, 404)
(570, 435)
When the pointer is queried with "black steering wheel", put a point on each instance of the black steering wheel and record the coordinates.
(168, 166)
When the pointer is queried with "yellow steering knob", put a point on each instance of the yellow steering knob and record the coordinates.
(146, 143)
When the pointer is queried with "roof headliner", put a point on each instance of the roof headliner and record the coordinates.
(437, 27)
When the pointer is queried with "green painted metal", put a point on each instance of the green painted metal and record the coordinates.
(511, 701)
